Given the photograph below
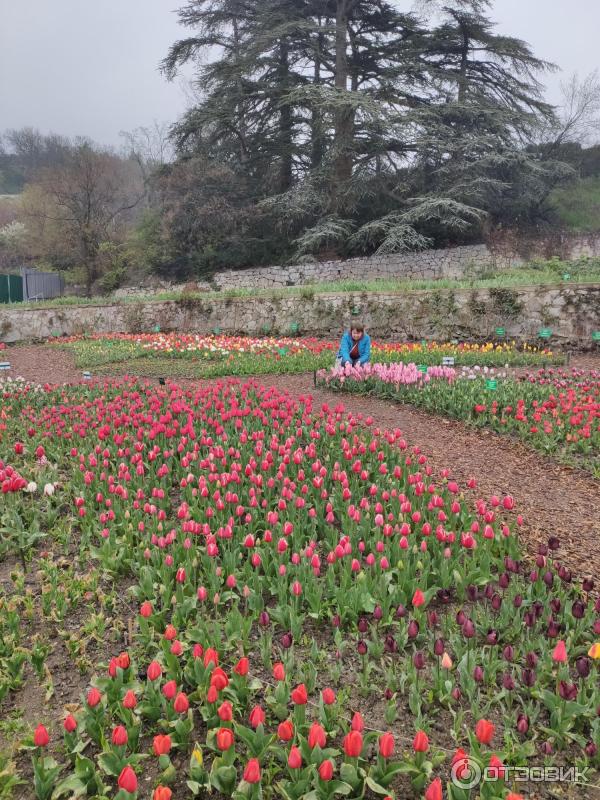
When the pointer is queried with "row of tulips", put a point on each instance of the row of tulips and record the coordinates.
(215, 355)
(249, 521)
(556, 411)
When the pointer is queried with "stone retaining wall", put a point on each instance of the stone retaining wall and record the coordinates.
(572, 311)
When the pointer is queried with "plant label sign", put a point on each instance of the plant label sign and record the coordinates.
(448, 361)
(157, 329)
(596, 336)
(422, 368)
(500, 332)
(4, 364)
(566, 276)
(216, 331)
(545, 333)
(294, 327)
(491, 384)
(87, 376)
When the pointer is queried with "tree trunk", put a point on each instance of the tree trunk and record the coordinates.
(344, 117)
(464, 61)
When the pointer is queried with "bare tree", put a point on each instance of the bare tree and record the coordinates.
(90, 196)
(577, 119)
(150, 146)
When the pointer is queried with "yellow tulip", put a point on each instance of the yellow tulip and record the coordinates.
(594, 651)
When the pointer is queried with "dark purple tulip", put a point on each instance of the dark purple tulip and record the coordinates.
(538, 609)
(264, 619)
(413, 629)
(388, 694)
(528, 677)
(336, 621)
(461, 617)
(553, 543)
(456, 693)
(587, 585)
(533, 576)
(472, 592)
(509, 652)
(568, 691)
(548, 578)
(400, 611)
(555, 605)
(547, 748)
(522, 723)
(597, 606)
(492, 636)
(540, 561)
(432, 619)
(439, 647)
(363, 625)
(531, 660)
(566, 575)
(478, 674)
(553, 629)
(543, 549)
(518, 601)
(504, 580)
(362, 648)
(468, 629)
(391, 645)
(286, 641)
(489, 591)
(443, 595)
(590, 749)
(578, 609)
(508, 681)
(583, 665)
(529, 619)
(419, 660)
(377, 613)
(496, 602)
(597, 627)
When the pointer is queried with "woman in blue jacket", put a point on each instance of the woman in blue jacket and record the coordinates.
(355, 347)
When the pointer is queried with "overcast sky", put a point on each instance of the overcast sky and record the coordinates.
(90, 67)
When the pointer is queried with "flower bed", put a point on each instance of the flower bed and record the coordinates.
(556, 411)
(316, 613)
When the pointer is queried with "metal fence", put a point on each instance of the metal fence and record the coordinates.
(30, 285)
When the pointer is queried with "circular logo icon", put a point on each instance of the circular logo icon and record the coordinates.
(466, 773)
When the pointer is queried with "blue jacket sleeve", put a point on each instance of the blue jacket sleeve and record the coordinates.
(366, 354)
(344, 353)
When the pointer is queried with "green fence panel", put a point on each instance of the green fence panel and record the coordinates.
(15, 288)
(3, 288)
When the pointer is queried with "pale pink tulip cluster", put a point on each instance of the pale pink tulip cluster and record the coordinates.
(396, 373)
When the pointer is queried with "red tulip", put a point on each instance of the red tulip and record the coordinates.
(252, 771)
(420, 742)
(127, 780)
(154, 671)
(386, 745)
(257, 717)
(161, 745)
(170, 689)
(40, 736)
(316, 736)
(326, 770)
(484, 731)
(70, 723)
(162, 793)
(285, 731)
(328, 696)
(225, 711)
(93, 697)
(434, 790)
(181, 703)
(357, 722)
(242, 667)
(560, 652)
(146, 609)
(294, 758)
(224, 738)
(279, 671)
(299, 695)
(497, 770)
(119, 736)
(353, 744)
(418, 598)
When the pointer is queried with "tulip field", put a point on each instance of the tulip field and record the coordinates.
(554, 410)
(228, 592)
(218, 355)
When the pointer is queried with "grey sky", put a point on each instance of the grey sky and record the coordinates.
(90, 67)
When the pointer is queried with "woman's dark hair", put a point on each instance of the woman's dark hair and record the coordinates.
(357, 326)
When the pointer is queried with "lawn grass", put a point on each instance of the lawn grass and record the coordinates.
(578, 206)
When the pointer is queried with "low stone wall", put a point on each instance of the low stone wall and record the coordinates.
(572, 312)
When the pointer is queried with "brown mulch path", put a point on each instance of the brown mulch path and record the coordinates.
(554, 500)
